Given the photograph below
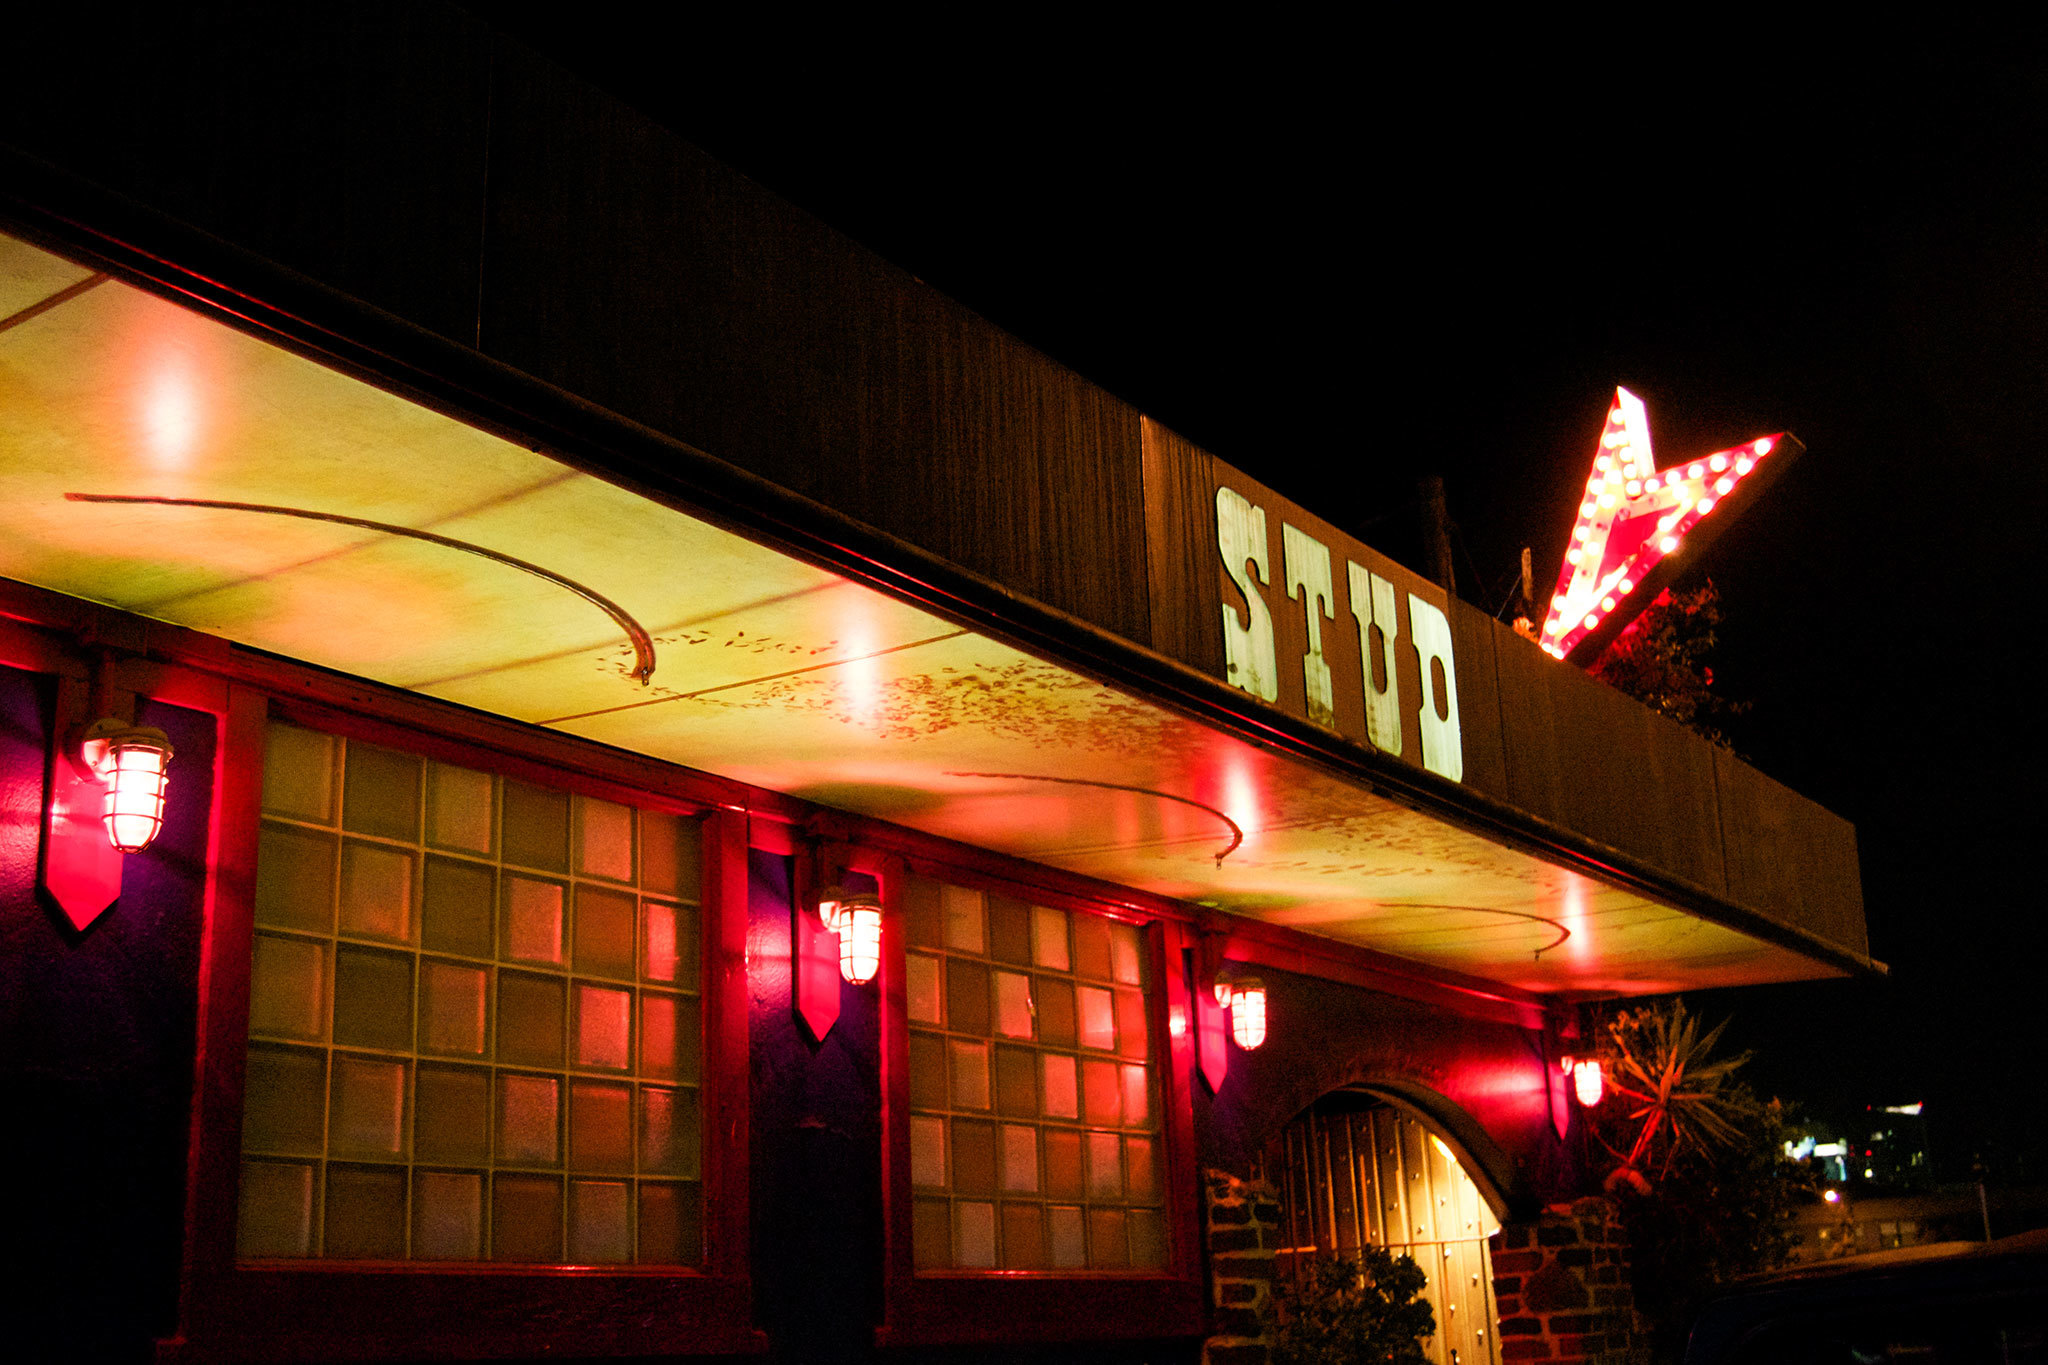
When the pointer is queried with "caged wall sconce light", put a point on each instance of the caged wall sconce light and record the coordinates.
(1245, 998)
(1589, 1083)
(857, 918)
(133, 763)
(108, 778)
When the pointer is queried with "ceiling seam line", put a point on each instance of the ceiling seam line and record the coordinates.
(58, 299)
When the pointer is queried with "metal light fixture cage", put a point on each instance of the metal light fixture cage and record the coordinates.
(1245, 998)
(133, 762)
(856, 916)
(1589, 1081)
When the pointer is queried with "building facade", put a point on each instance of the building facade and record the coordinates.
(557, 566)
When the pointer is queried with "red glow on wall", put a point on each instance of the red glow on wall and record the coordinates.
(817, 974)
(106, 799)
(1632, 517)
(1212, 1039)
(81, 868)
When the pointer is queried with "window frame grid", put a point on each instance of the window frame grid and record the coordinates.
(290, 1309)
(564, 1171)
(1079, 1126)
(938, 1306)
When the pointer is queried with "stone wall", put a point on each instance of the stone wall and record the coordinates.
(1562, 1288)
(1242, 1231)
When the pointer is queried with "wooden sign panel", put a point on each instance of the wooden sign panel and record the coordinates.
(1305, 616)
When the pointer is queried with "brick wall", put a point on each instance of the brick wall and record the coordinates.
(1242, 1232)
(1563, 1291)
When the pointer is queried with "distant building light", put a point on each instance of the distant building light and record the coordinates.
(1914, 1108)
(1831, 1149)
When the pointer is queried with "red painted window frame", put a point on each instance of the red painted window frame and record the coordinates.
(364, 1311)
(964, 1307)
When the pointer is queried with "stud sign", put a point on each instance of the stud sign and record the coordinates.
(1364, 649)
(1636, 519)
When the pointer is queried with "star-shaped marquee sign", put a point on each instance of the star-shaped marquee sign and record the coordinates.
(1639, 526)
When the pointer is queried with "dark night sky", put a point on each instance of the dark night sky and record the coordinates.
(1340, 267)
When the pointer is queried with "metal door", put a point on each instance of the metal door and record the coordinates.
(1356, 1171)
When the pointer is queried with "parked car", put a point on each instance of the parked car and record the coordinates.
(1941, 1303)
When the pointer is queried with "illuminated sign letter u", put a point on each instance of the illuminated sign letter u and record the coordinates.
(1372, 604)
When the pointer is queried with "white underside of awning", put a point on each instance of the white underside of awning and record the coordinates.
(768, 669)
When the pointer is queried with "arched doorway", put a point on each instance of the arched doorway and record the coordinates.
(1356, 1170)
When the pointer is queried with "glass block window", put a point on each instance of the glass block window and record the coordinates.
(1034, 1088)
(474, 1018)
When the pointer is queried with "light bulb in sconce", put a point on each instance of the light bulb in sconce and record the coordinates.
(1588, 1082)
(133, 763)
(857, 918)
(1245, 998)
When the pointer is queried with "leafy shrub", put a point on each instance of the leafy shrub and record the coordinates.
(1343, 1310)
(1661, 661)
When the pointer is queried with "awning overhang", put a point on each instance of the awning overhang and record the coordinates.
(157, 460)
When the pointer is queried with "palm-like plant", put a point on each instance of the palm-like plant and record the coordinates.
(1700, 1178)
(1684, 1100)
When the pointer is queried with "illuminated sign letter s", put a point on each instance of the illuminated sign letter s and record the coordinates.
(1247, 648)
